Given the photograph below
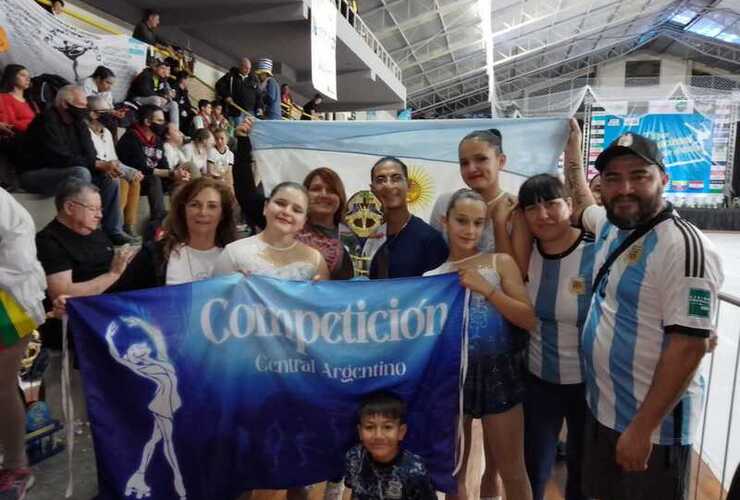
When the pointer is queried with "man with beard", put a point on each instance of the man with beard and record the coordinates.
(142, 147)
(653, 308)
(58, 147)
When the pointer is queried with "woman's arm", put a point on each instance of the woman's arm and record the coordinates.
(521, 242)
(323, 272)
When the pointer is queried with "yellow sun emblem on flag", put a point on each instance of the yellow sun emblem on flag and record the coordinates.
(421, 188)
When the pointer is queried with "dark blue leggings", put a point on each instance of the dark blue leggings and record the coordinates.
(546, 406)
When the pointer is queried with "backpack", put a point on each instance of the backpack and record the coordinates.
(44, 90)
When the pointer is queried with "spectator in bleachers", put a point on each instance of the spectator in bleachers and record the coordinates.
(239, 88)
(130, 179)
(200, 224)
(100, 84)
(146, 30)
(58, 147)
(218, 120)
(196, 152)
(173, 141)
(311, 107)
(15, 81)
(221, 159)
(203, 118)
(142, 147)
(270, 89)
(55, 8)
(78, 260)
(182, 98)
(287, 100)
(151, 87)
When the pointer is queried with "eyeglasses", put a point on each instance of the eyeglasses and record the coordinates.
(90, 208)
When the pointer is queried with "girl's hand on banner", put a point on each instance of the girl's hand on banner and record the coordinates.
(473, 281)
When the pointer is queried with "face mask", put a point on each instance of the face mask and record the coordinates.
(159, 129)
(78, 114)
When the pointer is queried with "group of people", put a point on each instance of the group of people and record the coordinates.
(610, 308)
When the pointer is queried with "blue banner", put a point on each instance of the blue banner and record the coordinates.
(213, 388)
(684, 139)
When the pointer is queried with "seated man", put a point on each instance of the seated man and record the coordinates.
(59, 147)
(151, 87)
(77, 257)
(105, 147)
(141, 147)
(78, 260)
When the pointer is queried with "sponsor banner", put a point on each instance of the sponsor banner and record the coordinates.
(686, 140)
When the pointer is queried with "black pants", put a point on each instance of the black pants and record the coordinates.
(666, 478)
(546, 406)
(154, 190)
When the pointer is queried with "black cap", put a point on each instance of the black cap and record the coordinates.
(631, 144)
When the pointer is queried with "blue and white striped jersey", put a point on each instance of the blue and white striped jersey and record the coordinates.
(668, 280)
(560, 290)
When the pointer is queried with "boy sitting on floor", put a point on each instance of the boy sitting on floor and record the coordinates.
(377, 468)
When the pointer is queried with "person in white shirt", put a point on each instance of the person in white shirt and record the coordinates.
(100, 83)
(199, 225)
(203, 118)
(654, 307)
(173, 147)
(130, 178)
(22, 286)
(276, 252)
(195, 153)
(221, 159)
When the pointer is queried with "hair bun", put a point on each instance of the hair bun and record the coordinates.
(495, 132)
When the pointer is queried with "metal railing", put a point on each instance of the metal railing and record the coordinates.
(368, 36)
(726, 471)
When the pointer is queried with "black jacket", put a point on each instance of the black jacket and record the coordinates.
(50, 142)
(147, 35)
(133, 152)
(244, 90)
(144, 85)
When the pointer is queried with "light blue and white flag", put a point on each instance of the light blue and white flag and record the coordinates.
(288, 150)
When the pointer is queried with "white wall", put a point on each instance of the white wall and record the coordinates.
(610, 75)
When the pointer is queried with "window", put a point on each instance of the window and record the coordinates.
(642, 73)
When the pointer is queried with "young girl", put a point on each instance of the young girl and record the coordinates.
(195, 153)
(494, 386)
(221, 159)
(275, 251)
(482, 157)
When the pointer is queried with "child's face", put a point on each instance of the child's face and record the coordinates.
(221, 141)
(381, 436)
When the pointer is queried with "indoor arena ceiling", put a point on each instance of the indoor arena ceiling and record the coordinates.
(439, 44)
